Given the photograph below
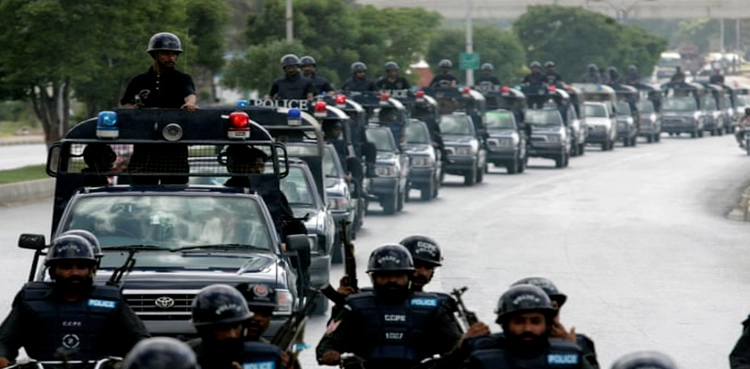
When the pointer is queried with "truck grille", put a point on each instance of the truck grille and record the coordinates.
(673, 121)
(163, 304)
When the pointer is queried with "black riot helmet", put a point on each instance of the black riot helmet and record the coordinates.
(289, 60)
(70, 247)
(161, 353)
(93, 240)
(535, 64)
(445, 63)
(424, 249)
(549, 64)
(644, 360)
(359, 67)
(524, 298)
(592, 68)
(390, 258)
(219, 304)
(612, 70)
(164, 41)
(547, 286)
(391, 65)
(258, 295)
(487, 66)
(632, 68)
(307, 60)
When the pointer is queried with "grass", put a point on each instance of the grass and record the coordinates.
(9, 128)
(29, 173)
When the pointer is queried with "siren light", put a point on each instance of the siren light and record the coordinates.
(106, 125)
(294, 117)
(239, 125)
(420, 95)
(320, 109)
(340, 101)
(505, 89)
(384, 98)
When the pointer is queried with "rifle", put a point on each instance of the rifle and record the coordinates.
(350, 268)
(126, 268)
(467, 317)
(287, 335)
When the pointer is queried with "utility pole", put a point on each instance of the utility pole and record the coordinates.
(469, 43)
(721, 36)
(289, 22)
(738, 43)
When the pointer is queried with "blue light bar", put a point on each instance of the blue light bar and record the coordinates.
(294, 117)
(241, 103)
(106, 125)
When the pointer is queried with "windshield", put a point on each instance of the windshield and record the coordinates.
(645, 106)
(680, 104)
(595, 111)
(727, 102)
(456, 125)
(416, 133)
(297, 189)
(382, 138)
(548, 118)
(743, 100)
(623, 109)
(500, 120)
(329, 165)
(171, 221)
(709, 103)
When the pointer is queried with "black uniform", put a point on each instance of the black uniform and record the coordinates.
(294, 88)
(739, 358)
(98, 325)
(360, 85)
(443, 80)
(167, 90)
(399, 84)
(321, 84)
(633, 78)
(614, 78)
(553, 78)
(534, 81)
(488, 79)
(591, 78)
(492, 352)
(391, 334)
(678, 77)
(287, 223)
(716, 79)
(220, 355)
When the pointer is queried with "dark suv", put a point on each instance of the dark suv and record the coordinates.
(506, 143)
(426, 168)
(467, 156)
(390, 183)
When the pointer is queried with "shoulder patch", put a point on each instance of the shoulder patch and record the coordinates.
(424, 302)
(260, 365)
(562, 359)
(102, 303)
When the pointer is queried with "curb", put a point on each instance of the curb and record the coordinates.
(26, 191)
(22, 141)
(740, 213)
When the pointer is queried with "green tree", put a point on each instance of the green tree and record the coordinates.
(256, 69)
(207, 20)
(499, 47)
(574, 37)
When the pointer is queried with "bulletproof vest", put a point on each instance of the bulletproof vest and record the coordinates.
(354, 84)
(320, 83)
(398, 84)
(552, 78)
(259, 355)
(560, 354)
(443, 80)
(292, 88)
(394, 332)
(76, 326)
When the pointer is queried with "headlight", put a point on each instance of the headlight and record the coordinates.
(652, 117)
(464, 151)
(697, 115)
(553, 138)
(336, 203)
(286, 302)
(716, 114)
(421, 161)
(385, 171)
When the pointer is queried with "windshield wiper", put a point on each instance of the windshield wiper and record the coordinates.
(228, 246)
(137, 248)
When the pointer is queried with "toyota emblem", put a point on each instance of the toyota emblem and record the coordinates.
(164, 302)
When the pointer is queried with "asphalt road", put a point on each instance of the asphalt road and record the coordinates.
(16, 156)
(637, 238)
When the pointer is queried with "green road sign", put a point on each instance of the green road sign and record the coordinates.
(468, 61)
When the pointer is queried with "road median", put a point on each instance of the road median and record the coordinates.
(26, 191)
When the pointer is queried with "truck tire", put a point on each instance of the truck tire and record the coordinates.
(480, 173)
(425, 194)
(560, 161)
(401, 199)
(388, 202)
(513, 167)
(471, 178)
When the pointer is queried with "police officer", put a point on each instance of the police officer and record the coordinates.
(534, 84)
(162, 86)
(633, 78)
(332, 130)
(445, 79)
(525, 314)
(99, 159)
(161, 353)
(644, 360)
(739, 358)
(93, 241)
(219, 314)
(553, 78)
(678, 76)
(359, 81)
(322, 86)
(557, 329)
(392, 81)
(293, 86)
(716, 78)
(592, 76)
(91, 322)
(390, 327)
(614, 76)
(487, 78)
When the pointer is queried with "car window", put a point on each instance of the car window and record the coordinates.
(645, 106)
(709, 103)
(330, 169)
(544, 117)
(297, 189)
(416, 133)
(623, 108)
(171, 221)
(677, 104)
(595, 111)
(382, 138)
(500, 120)
(456, 125)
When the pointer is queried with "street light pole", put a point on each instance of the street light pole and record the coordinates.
(469, 43)
(289, 22)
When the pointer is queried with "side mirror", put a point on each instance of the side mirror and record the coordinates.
(300, 245)
(32, 241)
